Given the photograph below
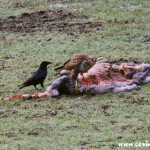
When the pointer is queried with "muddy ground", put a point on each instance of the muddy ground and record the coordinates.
(52, 21)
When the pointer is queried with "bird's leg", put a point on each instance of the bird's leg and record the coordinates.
(76, 86)
(36, 87)
(74, 76)
(42, 86)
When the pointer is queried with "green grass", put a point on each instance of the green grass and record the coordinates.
(74, 122)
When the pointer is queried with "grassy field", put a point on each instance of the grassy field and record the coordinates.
(109, 28)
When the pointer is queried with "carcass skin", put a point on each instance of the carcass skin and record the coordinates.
(102, 77)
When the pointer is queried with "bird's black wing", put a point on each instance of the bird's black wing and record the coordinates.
(36, 78)
(38, 75)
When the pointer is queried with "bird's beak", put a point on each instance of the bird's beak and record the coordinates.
(50, 63)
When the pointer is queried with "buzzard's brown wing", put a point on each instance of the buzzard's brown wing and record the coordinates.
(74, 62)
(61, 67)
(66, 62)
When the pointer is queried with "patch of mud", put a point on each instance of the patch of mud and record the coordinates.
(138, 101)
(9, 134)
(105, 108)
(52, 21)
(121, 21)
(42, 116)
(146, 39)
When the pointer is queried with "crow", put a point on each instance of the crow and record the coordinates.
(37, 77)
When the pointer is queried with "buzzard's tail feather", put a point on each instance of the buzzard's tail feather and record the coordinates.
(61, 67)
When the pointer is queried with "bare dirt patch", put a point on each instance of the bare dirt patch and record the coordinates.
(42, 116)
(146, 39)
(52, 21)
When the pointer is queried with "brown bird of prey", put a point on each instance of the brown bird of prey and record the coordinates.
(78, 64)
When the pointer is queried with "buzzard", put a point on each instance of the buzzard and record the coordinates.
(78, 64)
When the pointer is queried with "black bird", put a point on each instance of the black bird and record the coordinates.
(37, 77)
